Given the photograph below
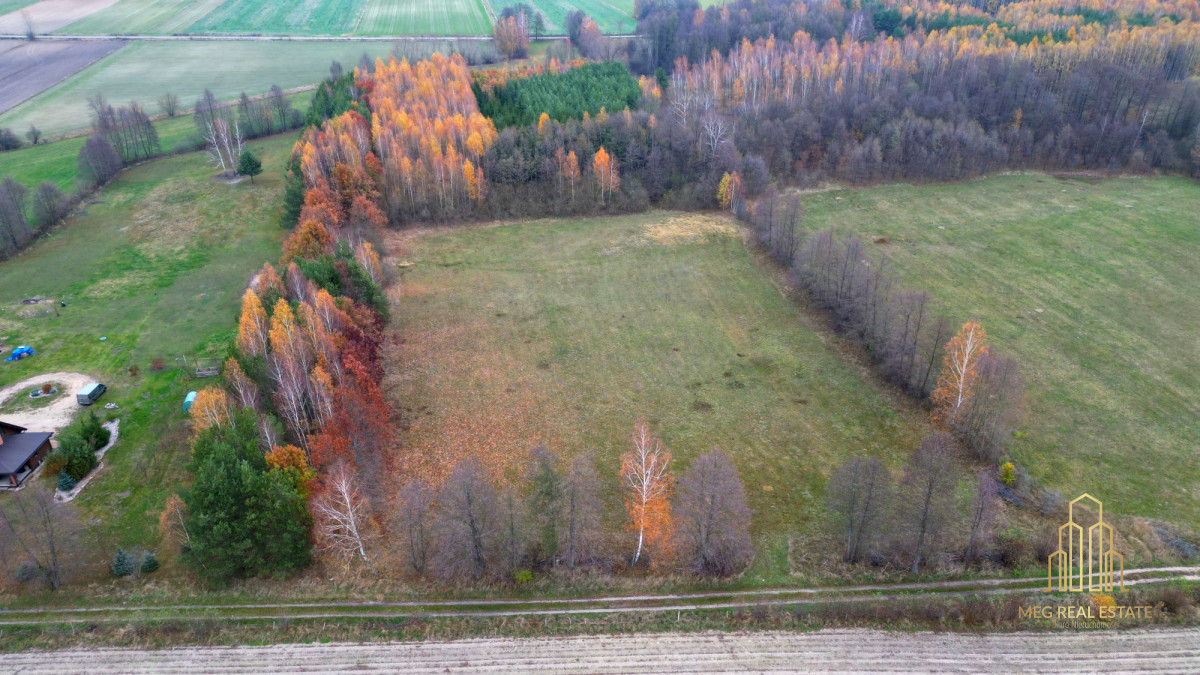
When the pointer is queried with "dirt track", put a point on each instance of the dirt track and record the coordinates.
(55, 416)
(1176, 650)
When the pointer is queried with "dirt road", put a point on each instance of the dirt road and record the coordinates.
(55, 416)
(1171, 650)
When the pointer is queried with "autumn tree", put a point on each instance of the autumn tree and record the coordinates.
(172, 523)
(309, 241)
(292, 463)
(960, 370)
(468, 523)
(928, 494)
(414, 522)
(712, 521)
(730, 191)
(993, 411)
(253, 327)
(647, 479)
(858, 496)
(211, 409)
(512, 35)
(342, 517)
(245, 390)
(607, 173)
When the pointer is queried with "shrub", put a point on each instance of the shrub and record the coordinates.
(1012, 549)
(81, 459)
(93, 432)
(123, 564)
(9, 140)
(55, 463)
(149, 562)
(1007, 474)
(65, 482)
(27, 572)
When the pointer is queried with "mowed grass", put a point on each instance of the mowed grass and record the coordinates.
(286, 17)
(156, 265)
(134, 17)
(144, 71)
(1092, 285)
(567, 332)
(421, 17)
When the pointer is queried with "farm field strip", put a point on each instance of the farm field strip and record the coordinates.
(299, 17)
(837, 650)
(144, 16)
(49, 15)
(418, 17)
(144, 71)
(612, 16)
(33, 67)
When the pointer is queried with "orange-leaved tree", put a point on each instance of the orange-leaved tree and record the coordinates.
(646, 475)
(212, 408)
(729, 191)
(607, 172)
(293, 463)
(252, 326)
(960, 370)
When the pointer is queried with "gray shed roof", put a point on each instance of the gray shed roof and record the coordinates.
(18, 448)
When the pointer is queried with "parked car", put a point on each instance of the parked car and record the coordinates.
(90, 393)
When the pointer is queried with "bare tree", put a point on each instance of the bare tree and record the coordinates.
(717, 129)
(49, 204)
(467, 524)
(14, 226)
(416, 502)
(342, 517)
(98, 161)
(545, 500)
(224, 140)
(34, 134)
(169, 104)
(928, 482)
(858, 496)
(582, 509)
(713, 529)
(993, 411)
(983, 514)
(513, 532)
(43, 532)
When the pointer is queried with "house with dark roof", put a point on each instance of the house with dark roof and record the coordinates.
(20, 453)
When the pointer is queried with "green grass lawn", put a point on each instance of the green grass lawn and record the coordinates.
(133, 17)
(144, 71)
(289, 17)
(420, 17)
(1092, 285)
(156, 266)
(567, 332)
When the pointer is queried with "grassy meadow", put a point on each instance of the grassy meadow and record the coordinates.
(566, 332)
(1091, 284)
(155, 264)
(283, 17)
(144, 71)
(138, 17)
(420, 17)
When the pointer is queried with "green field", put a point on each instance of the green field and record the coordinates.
(282, 17)
(57, 161)
(566, 332)
(7, 6)
(612, 16)
(1092, 284)
(135, 17)
(419, 17)
(144, 71)
(155, 265)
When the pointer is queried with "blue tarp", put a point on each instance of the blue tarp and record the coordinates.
(20, 353)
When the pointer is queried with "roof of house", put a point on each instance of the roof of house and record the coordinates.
(7, 428)
(18, 448)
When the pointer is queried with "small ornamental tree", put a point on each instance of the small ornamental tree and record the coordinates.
(149, 562)
(65, 482)
(123, 563)
(249, 165)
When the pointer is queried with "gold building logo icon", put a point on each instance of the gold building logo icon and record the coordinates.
(1094, 567)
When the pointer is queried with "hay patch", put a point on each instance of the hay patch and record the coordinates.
(688, 228)
(167, 221)
(119, 286)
